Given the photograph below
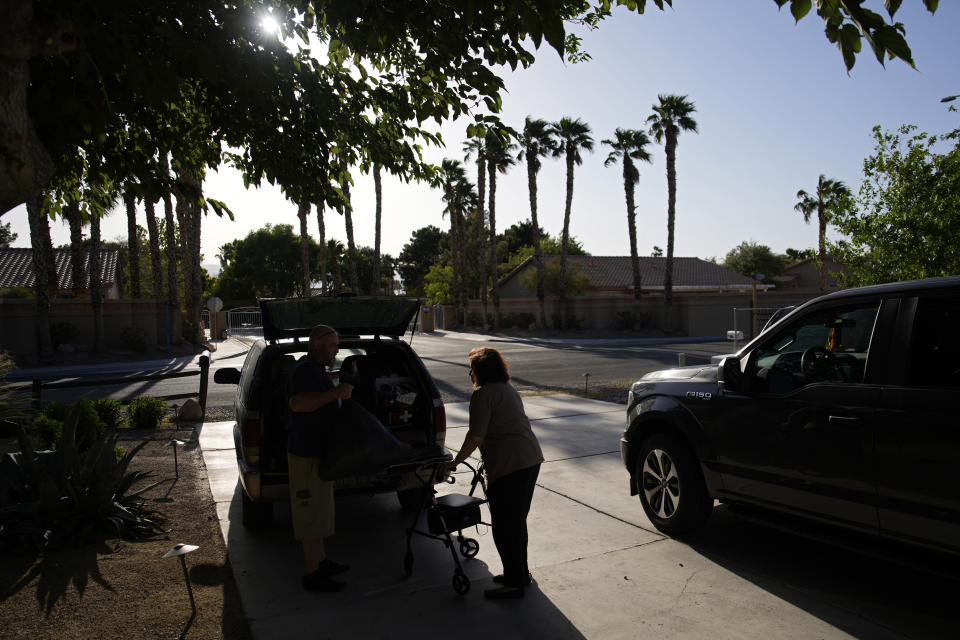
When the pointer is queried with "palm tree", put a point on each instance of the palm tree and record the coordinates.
(96, 285)
(458, 194)
(669, 118)
(351, 245)
(499, 155)
(302, 212)
(572, 135)
(536, 142)
(322, 230)
(475, 147)
(173, 294)
(36, 216)
(830, 197)
(156, 264)
(335, 253)
(189, 218)
(376, 287)
(133, 244)
(629, 145)
(78, 276)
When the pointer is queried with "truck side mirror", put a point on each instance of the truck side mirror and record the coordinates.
(227, 376)
(729, 375)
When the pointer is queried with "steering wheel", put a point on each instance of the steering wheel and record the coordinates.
(817, 361)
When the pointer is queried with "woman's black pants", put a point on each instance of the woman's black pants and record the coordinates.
(509, 497)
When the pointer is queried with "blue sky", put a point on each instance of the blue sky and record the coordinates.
(775, 109)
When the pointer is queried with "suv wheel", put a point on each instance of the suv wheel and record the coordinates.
(255, 515)
(671, 486)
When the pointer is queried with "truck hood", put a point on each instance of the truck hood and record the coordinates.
(701, 373)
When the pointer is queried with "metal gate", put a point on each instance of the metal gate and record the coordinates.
(244, 320)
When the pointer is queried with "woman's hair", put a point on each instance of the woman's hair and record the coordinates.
(488, 365)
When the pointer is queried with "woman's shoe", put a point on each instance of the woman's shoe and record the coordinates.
(503, 593)
(499, 579)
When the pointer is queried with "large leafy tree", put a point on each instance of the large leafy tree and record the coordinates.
(265, 264)
(499, 156)
(418, 255)
(751, 258)
(905, 222)
(573, 136)
(671, 115)
(536, 142)
(72, 76)
(830, 197)
(629, 145)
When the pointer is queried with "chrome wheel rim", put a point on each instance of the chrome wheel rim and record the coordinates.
(660, 483)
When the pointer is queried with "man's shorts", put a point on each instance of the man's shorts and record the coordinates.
(311, 499)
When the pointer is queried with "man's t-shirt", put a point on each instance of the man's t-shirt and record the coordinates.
(306, 429)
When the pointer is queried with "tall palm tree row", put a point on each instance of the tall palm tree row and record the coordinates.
(458, 194)
(573, 136)
(629, 145)
(536, 142)
(831, 195)
(670, 116)
(475, 147)
(499, 155)
(153, 237)
(173, 294)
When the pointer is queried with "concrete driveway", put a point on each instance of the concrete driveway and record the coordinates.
(601, 570)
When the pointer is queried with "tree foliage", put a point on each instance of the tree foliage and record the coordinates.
(576, 281)
(751, 258)
(7, 236)
(905, 223)
(425, 248)
(265, 264)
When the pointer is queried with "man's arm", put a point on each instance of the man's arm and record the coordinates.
(307, 401)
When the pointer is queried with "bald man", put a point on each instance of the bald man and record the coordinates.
(315, 406)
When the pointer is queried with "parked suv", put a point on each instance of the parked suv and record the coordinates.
(845, 412)
(389, 380)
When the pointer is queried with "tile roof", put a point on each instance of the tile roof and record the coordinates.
(615, 272)
(16, 267)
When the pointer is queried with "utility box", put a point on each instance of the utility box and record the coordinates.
(426, 318)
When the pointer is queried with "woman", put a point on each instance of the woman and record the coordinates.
(511, 460)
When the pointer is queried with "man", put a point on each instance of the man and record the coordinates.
(315, 406)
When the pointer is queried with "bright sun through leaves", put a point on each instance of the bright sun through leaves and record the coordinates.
(270, 25)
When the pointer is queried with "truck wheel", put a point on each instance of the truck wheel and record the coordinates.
(255, 515)
(672, 490)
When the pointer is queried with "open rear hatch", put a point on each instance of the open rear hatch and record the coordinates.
(349, 315)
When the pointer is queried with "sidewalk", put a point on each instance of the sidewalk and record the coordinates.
(228, 351)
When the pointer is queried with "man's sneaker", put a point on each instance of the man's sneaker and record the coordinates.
(318, 581)
(331, 568)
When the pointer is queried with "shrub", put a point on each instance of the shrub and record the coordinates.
(13, 293)
(68, 496)
(110, 412)
(89, 424)
(133, 339)
(146, 413)
(46, 431)
(572, 321)
(63, 333)
(475, 319)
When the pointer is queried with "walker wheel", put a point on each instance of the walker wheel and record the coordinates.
(469, 547)
(461, 583)
(408, 564)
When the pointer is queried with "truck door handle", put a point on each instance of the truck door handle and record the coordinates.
(847, 421)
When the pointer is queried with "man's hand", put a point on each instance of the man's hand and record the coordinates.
(343, 390)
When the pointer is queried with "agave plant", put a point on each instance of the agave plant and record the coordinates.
(67, 496)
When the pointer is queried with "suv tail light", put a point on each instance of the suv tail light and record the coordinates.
(251, 432)
(440, 416)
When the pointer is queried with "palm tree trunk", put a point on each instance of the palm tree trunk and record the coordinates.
(565, 239)
(302, 213)
(822, 249)
(376, 287)
(628, 173)
(78, 275)
(96, 293)
(156, 264)
(537, 252)
(173, 290)
(671, 152)
(189, 214)
(494, 277)
(133, 244)
(482, 231)
(351, 247)
(462, 254)
(42, 290)
(49, 258)
(323, 248)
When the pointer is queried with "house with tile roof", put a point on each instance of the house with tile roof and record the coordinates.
(16, 270)
(707, 298)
